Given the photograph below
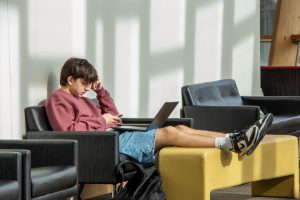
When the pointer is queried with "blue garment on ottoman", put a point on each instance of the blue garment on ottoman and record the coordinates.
(138, 145)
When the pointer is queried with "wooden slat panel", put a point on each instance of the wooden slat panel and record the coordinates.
(283, 50)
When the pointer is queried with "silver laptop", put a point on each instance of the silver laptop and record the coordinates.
(157, 122)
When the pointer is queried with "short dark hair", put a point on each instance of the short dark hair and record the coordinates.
(78, 68)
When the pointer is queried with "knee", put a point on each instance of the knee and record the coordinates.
(180, 127)
(167, 129)
(166, 136)
(169, 132)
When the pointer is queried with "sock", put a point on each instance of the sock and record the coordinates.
(223, 143)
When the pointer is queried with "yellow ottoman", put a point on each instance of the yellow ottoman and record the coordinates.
(192, 173)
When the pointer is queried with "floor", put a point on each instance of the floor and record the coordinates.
(242, 192)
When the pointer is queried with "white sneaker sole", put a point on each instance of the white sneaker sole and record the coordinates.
(261, 134)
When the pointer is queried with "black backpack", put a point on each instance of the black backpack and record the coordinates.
(144, 185)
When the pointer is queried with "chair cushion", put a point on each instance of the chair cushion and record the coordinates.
(47, 180)
(216, 93)
(36, 119)
(9, 189)
(285, 124)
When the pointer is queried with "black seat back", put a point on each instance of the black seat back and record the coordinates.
(36, 119)
(216, 93)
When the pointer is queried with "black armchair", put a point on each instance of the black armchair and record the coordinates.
(285, 109)
(49, 168)
(98, 150)
(218, 106)
(10, 175)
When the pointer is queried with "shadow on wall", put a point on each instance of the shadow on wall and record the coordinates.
(144, 51)
(152, 66)
(52, 84)
(157, 73)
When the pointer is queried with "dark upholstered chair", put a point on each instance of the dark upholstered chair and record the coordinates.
(10, 175)
(218, 106)
(98, 150)
(49, 168)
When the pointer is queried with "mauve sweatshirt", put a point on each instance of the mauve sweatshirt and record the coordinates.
(69, 113)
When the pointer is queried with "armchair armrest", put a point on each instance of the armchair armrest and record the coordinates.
(11, 169)
(46, 152)
(170, 122)
(222, 118)
(98, 153)
(10, 165)
(275, 104)
(25, 181)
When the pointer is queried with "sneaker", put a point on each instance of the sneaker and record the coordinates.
(246, 141)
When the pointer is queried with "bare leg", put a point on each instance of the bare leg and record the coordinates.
(189, 130)
(172, 136)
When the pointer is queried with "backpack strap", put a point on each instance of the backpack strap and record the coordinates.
(120, 168)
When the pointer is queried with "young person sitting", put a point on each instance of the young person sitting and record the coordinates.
(68, 110)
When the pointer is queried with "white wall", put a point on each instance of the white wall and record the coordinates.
(144, 50)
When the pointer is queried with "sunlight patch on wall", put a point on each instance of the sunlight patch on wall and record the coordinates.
(127, 66)
(78, 28)
(49, 28)
(208, 42)
(167, 25)
(14, 42)
(99, 49)
(5, 109)
(4, 48)
(243, 10)
(165, 86)
(242, 64)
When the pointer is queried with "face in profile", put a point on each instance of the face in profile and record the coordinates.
(78, 87)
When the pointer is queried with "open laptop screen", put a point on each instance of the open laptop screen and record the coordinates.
(157, 122)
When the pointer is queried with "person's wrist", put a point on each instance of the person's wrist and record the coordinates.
(100, 92)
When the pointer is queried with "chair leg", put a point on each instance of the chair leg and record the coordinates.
(81, 186)
(114, 190)
(298, 148)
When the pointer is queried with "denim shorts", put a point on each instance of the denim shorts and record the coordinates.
(138, 145)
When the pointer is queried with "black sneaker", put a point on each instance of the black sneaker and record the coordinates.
(246, 141)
